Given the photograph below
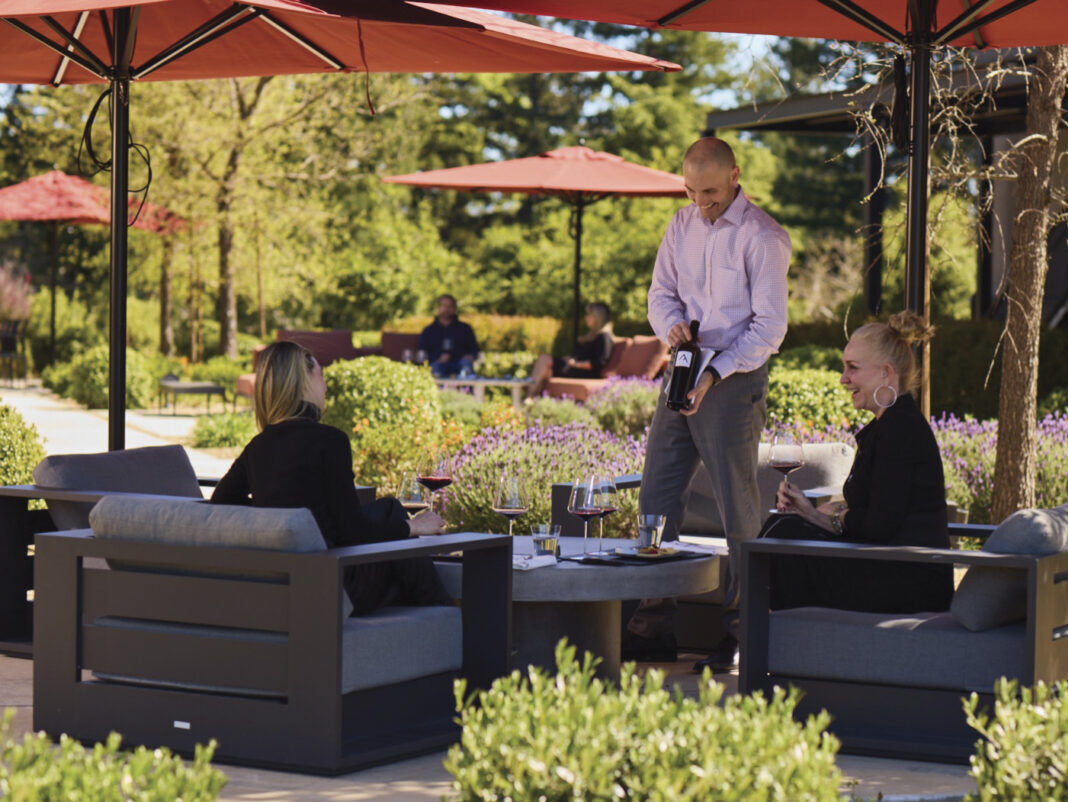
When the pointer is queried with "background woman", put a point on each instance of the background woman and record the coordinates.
(296, 461)
(895, 493)
(591, 352)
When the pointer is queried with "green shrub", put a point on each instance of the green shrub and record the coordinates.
(461, 407)
(625, 406)
(819, 357)
(813, 397)
(1056, 401)
(228, 430)
(35, 769)
(88, 379)
(159, 365)
(20, 448)
(496, 332)
(57, 378)
(1023, 755)
(570, 736)
(221, 370)
(392, 412)
(553, 411)
(76, 328)
(366, 339)
(501, 364)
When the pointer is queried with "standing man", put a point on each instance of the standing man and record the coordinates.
(723, 263)
(449, 343)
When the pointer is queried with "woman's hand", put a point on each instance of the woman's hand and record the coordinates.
(791, 499)
(426, 523)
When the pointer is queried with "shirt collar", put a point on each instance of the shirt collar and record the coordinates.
(735, 212)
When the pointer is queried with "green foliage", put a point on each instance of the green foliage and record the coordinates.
(548, 411)
(87, 380)
(819, 357)
(20, 448)
(221, 370)
(159, 365)
(35, 769)
(572, 736)
(76, 328)
(1023, 755)
(1055, 401)
(625, 406)
(461, 407)
(810, 396)
(226, 430)
(390, 410)
(57, 378)
(366, 339)
(499, 364)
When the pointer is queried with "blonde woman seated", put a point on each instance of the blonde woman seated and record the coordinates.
(296, 461)
(591, 354)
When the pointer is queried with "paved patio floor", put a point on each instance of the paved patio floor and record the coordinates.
(68, 428)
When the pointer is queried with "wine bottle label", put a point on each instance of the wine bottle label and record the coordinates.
(683, 359)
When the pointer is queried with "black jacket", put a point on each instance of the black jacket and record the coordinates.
(303, 463)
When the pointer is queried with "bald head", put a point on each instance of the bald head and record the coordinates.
(710, 151)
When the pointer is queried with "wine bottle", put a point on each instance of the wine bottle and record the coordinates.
(684, 364)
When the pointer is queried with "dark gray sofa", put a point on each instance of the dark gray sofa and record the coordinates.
(894, 683)
(180, 622)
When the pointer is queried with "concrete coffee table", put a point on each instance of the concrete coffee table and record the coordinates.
(584, 602)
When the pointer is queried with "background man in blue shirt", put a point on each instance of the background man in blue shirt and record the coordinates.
(450, 344)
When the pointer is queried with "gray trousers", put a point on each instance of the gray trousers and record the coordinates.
(724, 434)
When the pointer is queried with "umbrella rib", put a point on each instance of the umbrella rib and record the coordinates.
(966, 22)
(680, 12)
(73, 42)
(93, 66)
(311, 47)
(217, 26)
(61, 68)
(863, 17)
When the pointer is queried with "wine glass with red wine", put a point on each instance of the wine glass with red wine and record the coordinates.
(435, 473)
(583, 504)
(608, 501)
(511, 500)
(413, 496)
(786, 455)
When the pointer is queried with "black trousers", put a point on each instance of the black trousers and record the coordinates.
(871, 586)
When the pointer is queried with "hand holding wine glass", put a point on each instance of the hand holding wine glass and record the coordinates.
(412, 495)
(511, 500)
(785, 456)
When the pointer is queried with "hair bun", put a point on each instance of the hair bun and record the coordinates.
(910, 327)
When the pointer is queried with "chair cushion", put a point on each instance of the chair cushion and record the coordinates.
(643, 356)
(326, 346)
(161, 470)
(991, 597)
(200, 524)
(922, 649)
(395, 343)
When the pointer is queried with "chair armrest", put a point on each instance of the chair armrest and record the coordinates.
(860, 551)
(88, 496)
(428, 545)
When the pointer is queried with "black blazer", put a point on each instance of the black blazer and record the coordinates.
(303, 463)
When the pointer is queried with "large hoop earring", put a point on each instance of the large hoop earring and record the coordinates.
(875, 396)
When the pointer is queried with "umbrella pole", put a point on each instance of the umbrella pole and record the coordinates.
(120, 128)
(917, 273)
(53, 247)
(578, 273)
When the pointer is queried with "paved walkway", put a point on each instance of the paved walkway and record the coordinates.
(66, 427)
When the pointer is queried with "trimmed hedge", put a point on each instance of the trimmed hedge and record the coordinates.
(20, 448)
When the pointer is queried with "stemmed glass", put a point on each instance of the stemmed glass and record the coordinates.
(583, 504)
(413, 496)
(786, 455)
(511, 500)
(435, 473)
(608, 501)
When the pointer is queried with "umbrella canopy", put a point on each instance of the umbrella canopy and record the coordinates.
(918, 26)
(57, 197)
(110, 41)
(578, 175)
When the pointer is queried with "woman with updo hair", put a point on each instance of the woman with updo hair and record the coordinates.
(296, 461)
(592, 352)
(895, 493)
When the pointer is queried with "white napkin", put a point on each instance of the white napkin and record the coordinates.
(528, 562)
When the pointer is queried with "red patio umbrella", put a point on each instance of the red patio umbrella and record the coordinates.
(918, 26)
(57, 197)
(114, 42)
(578, 175)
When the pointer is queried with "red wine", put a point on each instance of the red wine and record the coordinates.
(786, 468)
(433, 483)
(511, 513)
(586, 512)
(606, 511)
(684, 365)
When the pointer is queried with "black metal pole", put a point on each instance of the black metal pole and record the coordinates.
(53, 253)
(873, 227)
(120, 127)
(578, 272)
(916, 274)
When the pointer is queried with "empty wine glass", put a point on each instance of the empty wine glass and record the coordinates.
(511, 500)
(583, 504)
(412, 495)
(608, 500)
(786, 455)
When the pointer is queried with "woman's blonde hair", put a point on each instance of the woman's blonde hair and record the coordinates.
(283, 370)
(892, 342)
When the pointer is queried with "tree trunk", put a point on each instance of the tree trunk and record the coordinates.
(1015, 465)
(166, 323)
